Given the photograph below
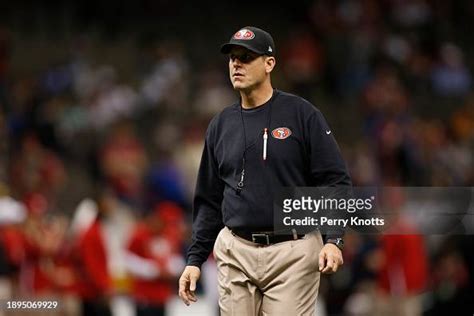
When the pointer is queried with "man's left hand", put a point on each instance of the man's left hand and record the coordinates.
(330, 258)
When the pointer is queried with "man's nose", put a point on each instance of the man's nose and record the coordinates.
(236, 63)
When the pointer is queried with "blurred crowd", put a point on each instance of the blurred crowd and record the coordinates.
(98, 168)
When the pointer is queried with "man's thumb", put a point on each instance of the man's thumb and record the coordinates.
(192, 285)
(321, 261)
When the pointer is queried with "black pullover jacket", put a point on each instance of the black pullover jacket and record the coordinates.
(303, 154)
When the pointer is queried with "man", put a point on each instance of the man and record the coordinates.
(269, 139)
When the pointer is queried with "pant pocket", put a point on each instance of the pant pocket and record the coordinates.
(217, 243)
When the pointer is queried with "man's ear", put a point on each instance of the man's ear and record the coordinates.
(270, 63)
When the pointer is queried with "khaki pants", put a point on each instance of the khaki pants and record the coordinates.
(255, 280)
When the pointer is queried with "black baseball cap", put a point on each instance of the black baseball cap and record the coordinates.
(252, 38)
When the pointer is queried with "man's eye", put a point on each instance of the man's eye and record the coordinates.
(243, 58)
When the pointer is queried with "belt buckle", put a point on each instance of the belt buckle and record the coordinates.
(256, 237)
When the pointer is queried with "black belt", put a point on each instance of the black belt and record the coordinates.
(267, 238)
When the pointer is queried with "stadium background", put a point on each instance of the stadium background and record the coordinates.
(105, 100)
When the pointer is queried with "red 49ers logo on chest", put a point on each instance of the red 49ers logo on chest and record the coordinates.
(281, 132)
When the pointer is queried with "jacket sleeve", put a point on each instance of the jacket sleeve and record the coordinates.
(207, 214)
(327, 166)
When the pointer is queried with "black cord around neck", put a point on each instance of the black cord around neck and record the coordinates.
(240, 184)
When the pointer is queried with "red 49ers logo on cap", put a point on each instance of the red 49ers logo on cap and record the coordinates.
(281, 132)
(244, 34)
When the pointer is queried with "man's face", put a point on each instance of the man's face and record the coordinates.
(246, 68)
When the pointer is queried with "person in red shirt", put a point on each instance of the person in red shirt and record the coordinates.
(404, 272)
(154, 260)
(94, 284)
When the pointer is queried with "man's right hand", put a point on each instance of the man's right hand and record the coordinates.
(187, 284)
